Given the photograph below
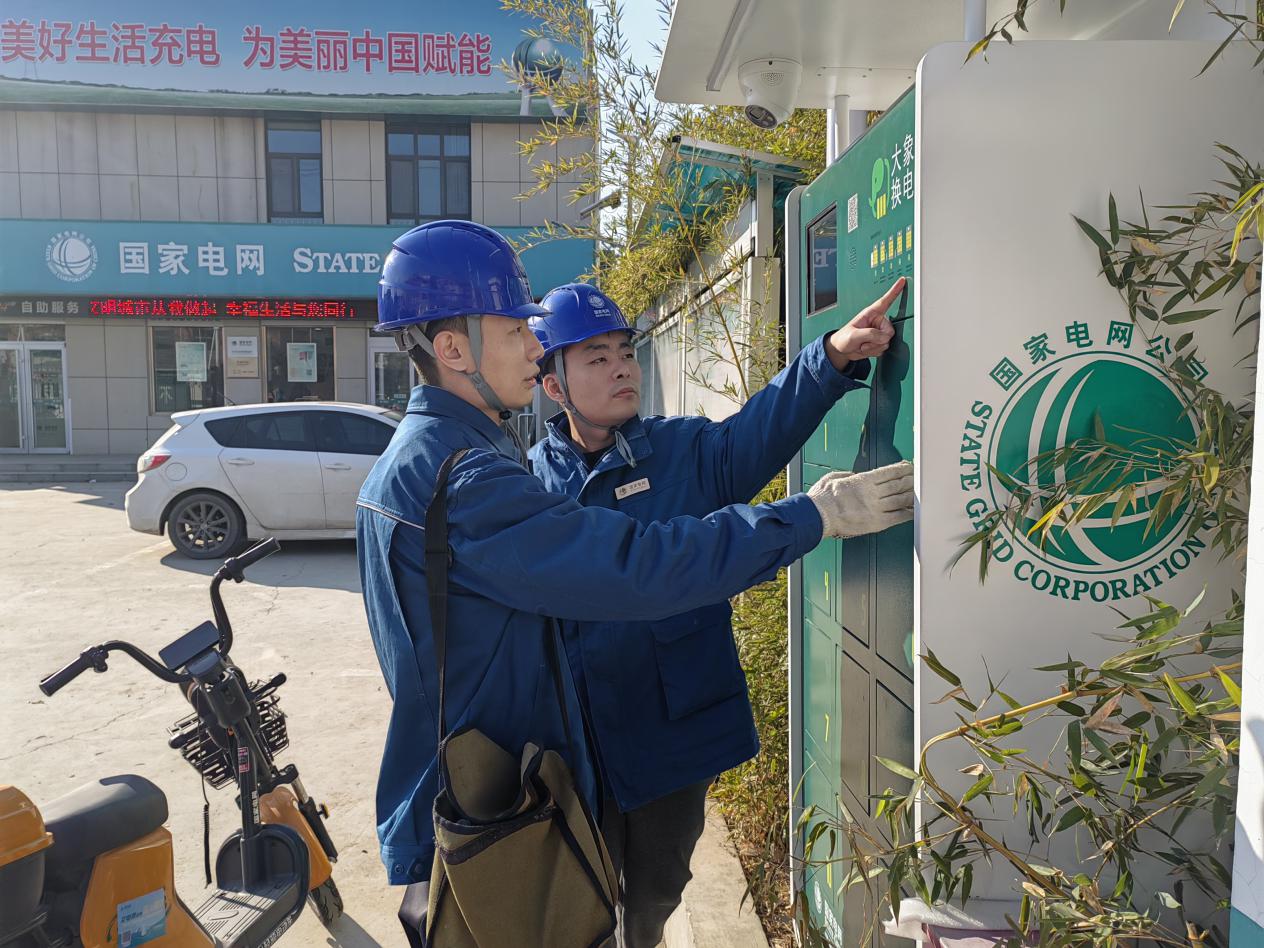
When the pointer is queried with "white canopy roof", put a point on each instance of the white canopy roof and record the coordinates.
(869, 49)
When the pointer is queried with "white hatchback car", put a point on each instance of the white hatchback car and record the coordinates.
(291, 470)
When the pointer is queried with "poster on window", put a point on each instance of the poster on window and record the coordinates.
(243, 357)
(300, 360)
(190, 362)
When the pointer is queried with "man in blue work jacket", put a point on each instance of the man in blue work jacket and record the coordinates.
(666, 700)
(457, 299)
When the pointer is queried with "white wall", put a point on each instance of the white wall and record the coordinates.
(499, 173)
(120, 166)
(1248, 853)
(1007, 150)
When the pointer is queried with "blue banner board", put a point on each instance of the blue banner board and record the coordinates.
(319, 55)
(153, 258)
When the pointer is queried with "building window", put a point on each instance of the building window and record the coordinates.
(300, 364)
(294, 186)
(32, 332)
(427, 172)
(188, 368)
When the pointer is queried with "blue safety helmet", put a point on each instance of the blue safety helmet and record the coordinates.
(575, 312)
(452, 268)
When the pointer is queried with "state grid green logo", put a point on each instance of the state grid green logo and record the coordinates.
(1064, 390)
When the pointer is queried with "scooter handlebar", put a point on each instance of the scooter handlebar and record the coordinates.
(236, 566)
(60, 679)
(95, 658)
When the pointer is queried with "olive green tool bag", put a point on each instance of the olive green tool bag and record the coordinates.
(518, 860)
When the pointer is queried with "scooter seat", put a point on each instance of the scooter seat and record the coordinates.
(96, 818)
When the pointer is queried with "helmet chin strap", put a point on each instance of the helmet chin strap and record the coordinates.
(620, 442)
(414, 336)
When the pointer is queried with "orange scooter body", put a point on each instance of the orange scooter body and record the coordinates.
(281, 806)
(131, 899)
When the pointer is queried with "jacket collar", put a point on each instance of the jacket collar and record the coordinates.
(439, 402)
(633, 429)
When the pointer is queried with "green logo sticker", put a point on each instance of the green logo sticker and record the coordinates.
(1061, 395)
(880, 179)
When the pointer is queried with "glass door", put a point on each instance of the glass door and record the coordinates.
(48, 428)
(11, 425)
(391, 375)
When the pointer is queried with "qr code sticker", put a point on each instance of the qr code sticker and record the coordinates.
(853, 212)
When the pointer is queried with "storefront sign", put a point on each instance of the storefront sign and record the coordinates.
(243, 347)
(442, 59)
(135, 259)
(43, 307)
(233, 308)
(300, 361)
(190, 362)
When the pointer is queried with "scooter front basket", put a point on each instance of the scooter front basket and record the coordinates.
(204, 746)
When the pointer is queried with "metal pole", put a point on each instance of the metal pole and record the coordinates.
(794, 584)
(974, 16)
(838, 132)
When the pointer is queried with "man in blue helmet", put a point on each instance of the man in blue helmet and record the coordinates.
(456, 296)
(666, 700)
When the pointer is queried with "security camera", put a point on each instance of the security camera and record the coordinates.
(770, 87)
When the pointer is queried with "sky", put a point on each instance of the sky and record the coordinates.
(643, 28)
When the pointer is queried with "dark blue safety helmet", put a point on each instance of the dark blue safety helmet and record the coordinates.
(452, 268)
(575, 312)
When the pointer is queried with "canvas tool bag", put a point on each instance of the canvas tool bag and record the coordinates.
(518, 857)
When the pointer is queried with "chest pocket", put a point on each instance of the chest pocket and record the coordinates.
(697, 660)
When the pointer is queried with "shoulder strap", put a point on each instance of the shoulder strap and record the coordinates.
(551, 634)
(437, 561)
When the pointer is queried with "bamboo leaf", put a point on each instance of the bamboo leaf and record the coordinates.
(1216, 55)
(1075, 744)
(1102, 243)
(1070, 818)
(1210, 781)
(897, 768)
(1175, 14)
(979, 787)
(939, 669)
(1180, 695)
(1231, 687)
(1188, 316)
(1048, 517)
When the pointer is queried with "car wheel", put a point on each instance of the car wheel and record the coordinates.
(205, 526)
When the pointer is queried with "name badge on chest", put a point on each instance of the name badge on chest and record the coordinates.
(635, 487)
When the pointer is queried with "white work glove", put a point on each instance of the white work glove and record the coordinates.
(852, 505)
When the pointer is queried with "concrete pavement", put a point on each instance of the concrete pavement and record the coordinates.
(72, 574)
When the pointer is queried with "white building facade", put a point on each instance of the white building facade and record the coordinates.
(179, 236)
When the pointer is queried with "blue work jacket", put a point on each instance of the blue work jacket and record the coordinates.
(518, 553)
(666, 699)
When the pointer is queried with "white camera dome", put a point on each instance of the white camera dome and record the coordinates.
(770, 86)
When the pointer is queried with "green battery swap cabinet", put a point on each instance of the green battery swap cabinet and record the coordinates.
(849, 237)
(970, 190)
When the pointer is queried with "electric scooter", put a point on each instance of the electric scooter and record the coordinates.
(94, 868)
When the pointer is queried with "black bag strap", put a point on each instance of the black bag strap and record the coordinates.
(438, 559)
(551, 634)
